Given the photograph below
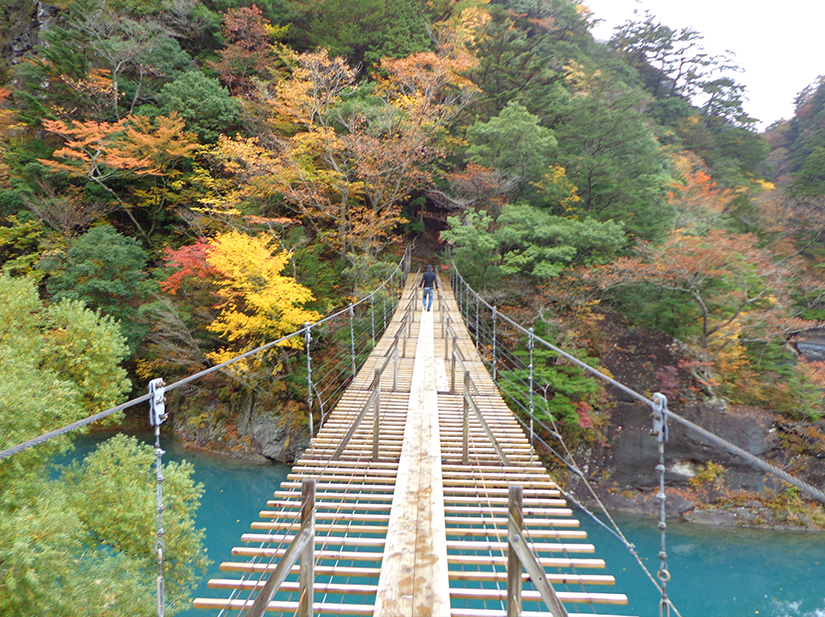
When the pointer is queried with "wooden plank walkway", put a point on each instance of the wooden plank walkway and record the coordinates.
(417, 532)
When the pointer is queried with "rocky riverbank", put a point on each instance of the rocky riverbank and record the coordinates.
(705, 483)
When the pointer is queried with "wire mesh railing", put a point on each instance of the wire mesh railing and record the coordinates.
(509, 352)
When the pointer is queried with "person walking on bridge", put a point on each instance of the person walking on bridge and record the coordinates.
(427, 281)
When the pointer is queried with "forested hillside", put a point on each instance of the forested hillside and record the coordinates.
(181, 181)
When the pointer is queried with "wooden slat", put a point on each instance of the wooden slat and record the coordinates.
(358, 497)
(318, 608)
(555, 578)
(290, 586)
(348, 571)
(533, 596)
(547, 562)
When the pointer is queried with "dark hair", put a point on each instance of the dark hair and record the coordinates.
(429, 267)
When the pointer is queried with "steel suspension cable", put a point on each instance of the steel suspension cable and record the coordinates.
(568, 460)
(810, 490)
(142, 399)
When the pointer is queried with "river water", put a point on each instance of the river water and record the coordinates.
(716, 572)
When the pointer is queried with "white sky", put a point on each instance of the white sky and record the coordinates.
(780, 46)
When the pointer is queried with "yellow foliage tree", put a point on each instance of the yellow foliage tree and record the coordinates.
(260, 304)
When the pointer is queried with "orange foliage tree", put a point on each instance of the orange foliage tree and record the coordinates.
(345, 171)
(249, 51)
(738, 291)
(132, 147)
(697, 201)
(226, 295)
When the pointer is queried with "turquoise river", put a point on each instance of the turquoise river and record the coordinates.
(717, 572)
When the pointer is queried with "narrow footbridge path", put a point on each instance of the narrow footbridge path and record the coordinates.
(434, 506)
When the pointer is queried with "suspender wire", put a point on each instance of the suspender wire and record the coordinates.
(530, 345)
(352, 337)
(495, 366)
(160, 545)
(157, 416)
(660, 431)
(308, 339)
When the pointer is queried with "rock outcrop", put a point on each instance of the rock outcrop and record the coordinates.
(27, 21)
(622, 468)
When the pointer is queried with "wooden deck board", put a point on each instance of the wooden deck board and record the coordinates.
(418, 533)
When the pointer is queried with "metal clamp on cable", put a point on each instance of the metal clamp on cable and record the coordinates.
(659, 417)
(157, 402)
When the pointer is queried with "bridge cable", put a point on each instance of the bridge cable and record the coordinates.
(812, 491)
(182, 382)
(568, 460)
(661, 403)
(528, 531)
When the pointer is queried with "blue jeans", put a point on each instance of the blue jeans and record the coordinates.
(428, 295)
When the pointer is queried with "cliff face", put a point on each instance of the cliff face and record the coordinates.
(699, 475)
(243, 427)
(23, 24)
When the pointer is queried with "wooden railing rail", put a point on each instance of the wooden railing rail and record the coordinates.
(374, 400)
(302, 547)
(470, 403)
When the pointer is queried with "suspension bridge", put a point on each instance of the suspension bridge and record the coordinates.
(421, 493)
(413, 495)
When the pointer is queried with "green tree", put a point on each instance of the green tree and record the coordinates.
(532, 241)
(56, 364)
(20, 244)
(105, 270)
(674, 64)
(474, 248)
(523, 53)
(610, 152)
(45, 569)
(362, 31)
(84, 543)
(810, 179)
(515, 145)
(112, 493)
(206, 107)
(529, 241)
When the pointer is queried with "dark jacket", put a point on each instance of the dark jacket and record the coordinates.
(429, 280)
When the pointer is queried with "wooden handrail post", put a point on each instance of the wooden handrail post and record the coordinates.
(303, 547)
(452, 369)
(306, 576)
(514, 524)
(394, 370)
(376, 406)
(520, 556)
(466, 399)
